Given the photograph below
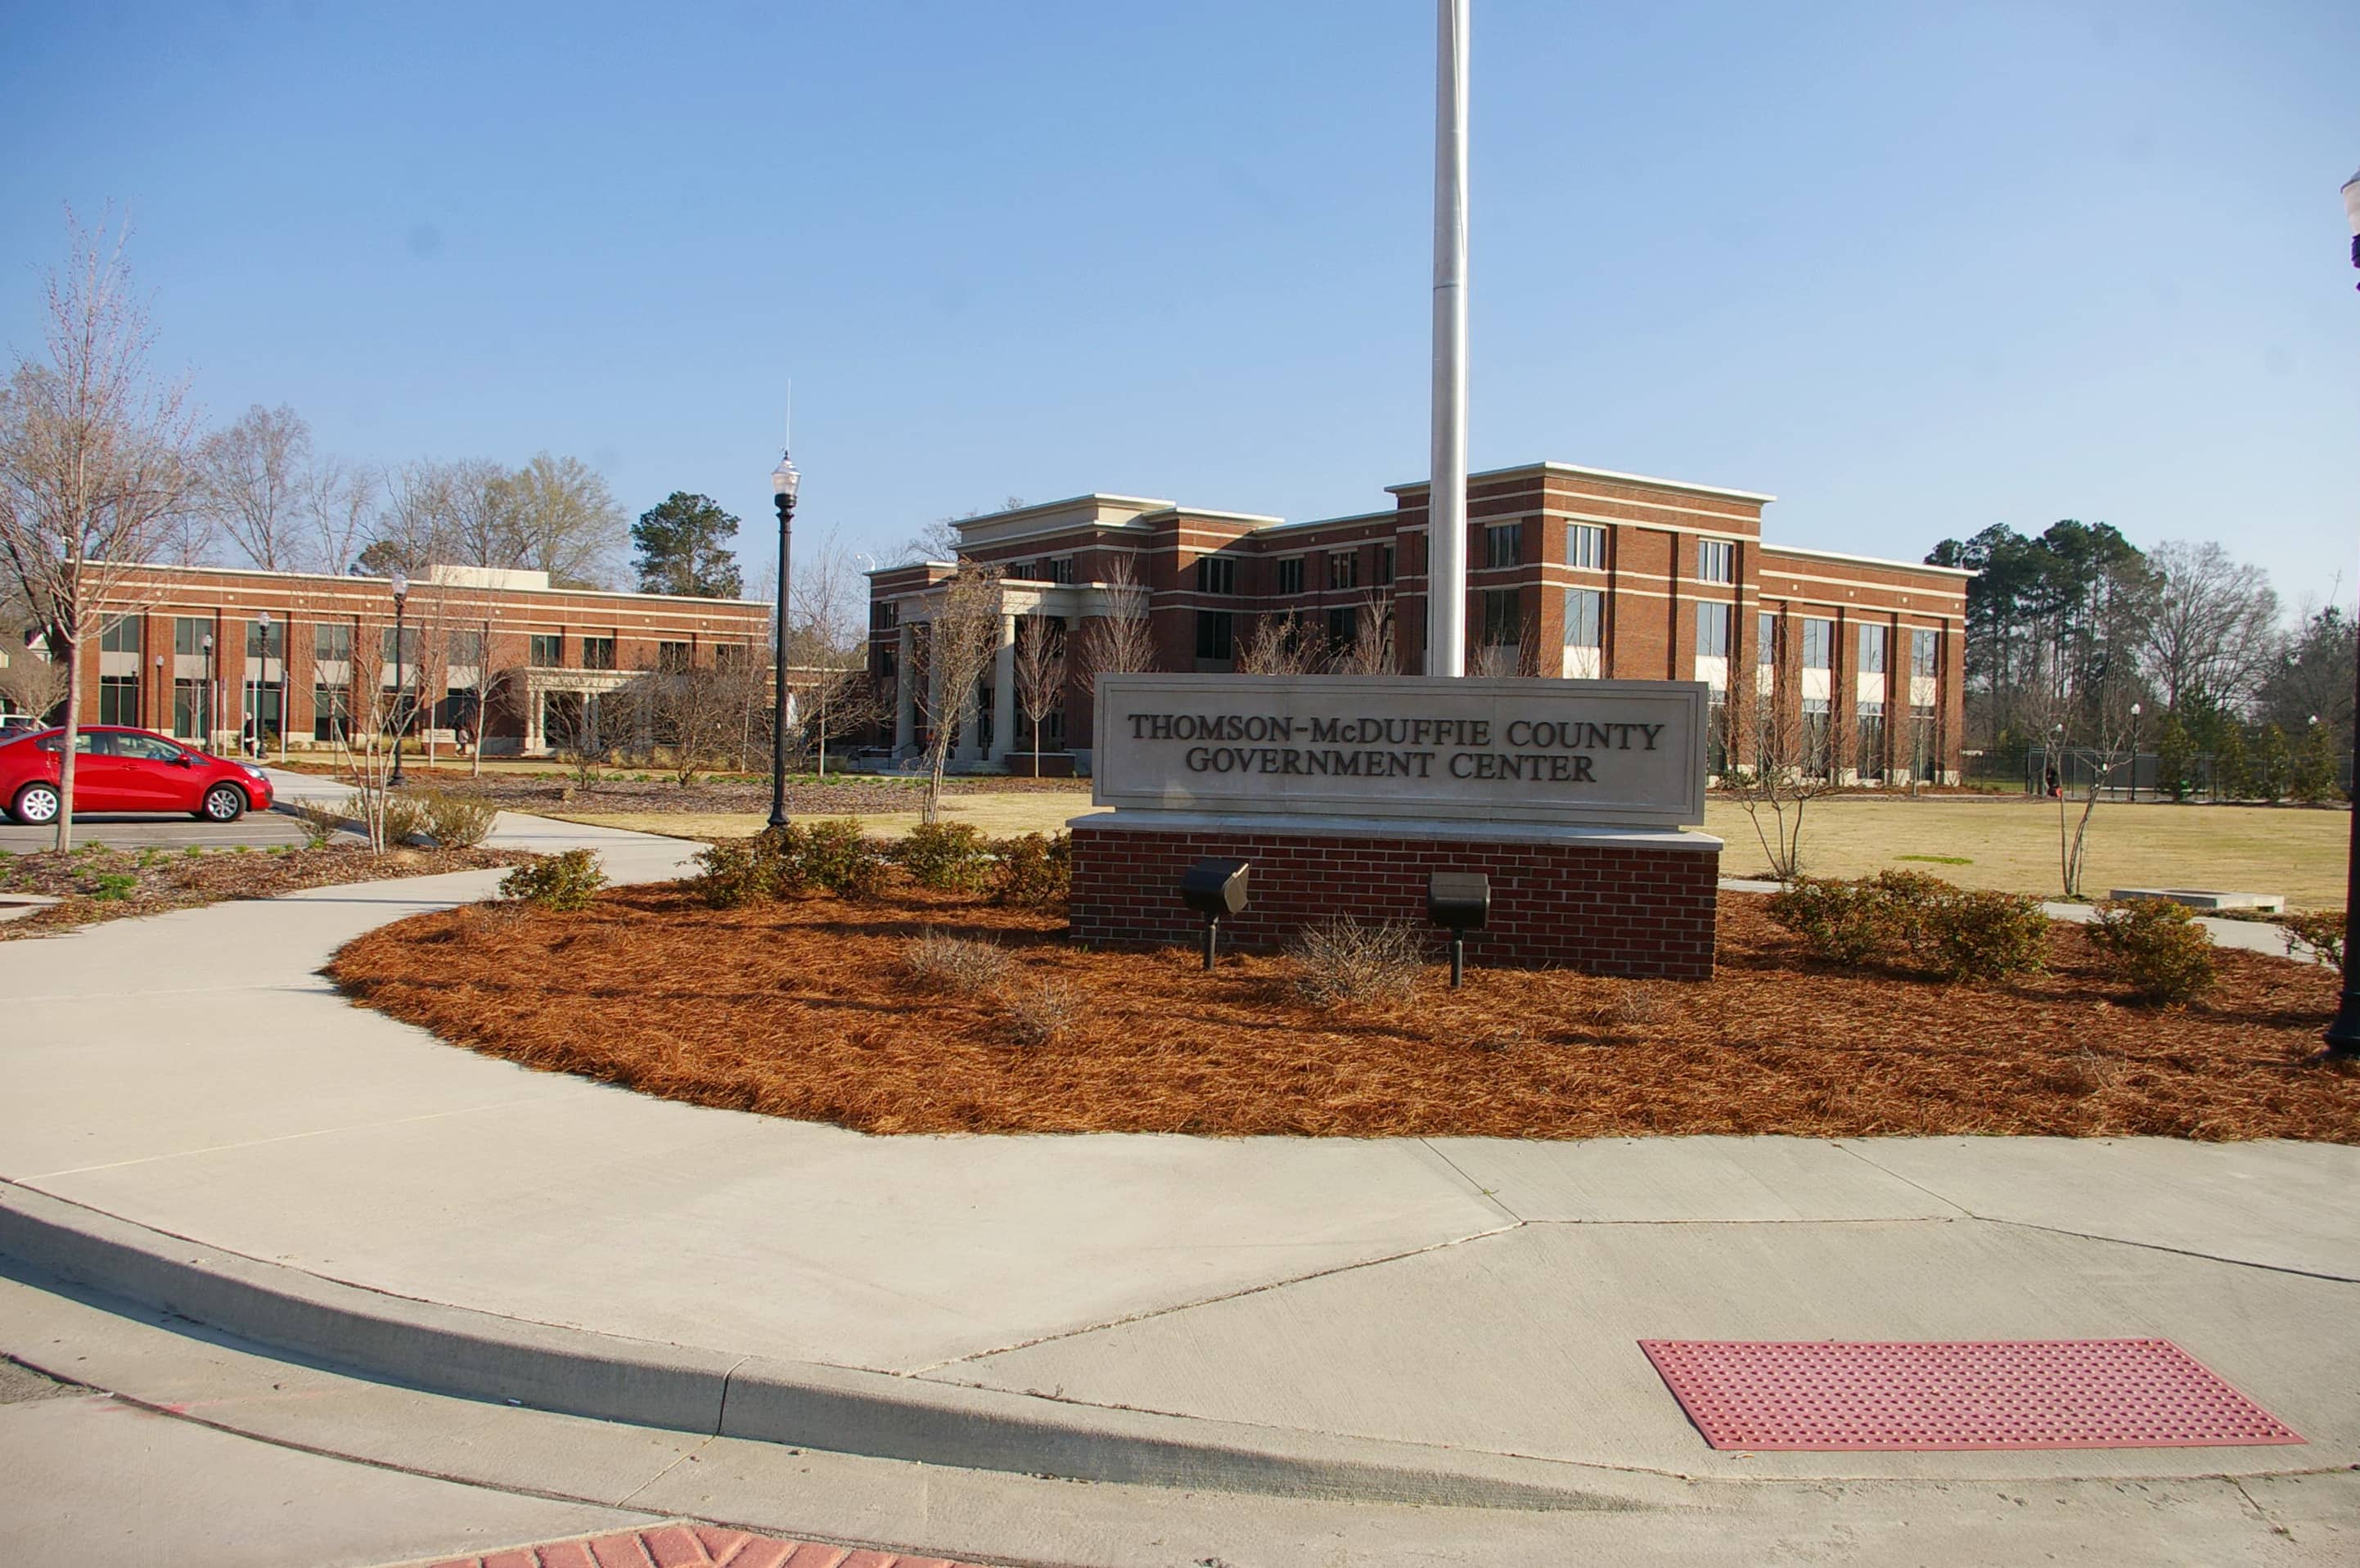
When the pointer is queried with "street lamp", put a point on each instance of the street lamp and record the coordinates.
(211, 717)
(784, 481)
(2134, 719)
(262, 681)
(401, 678)
(2344, 1030)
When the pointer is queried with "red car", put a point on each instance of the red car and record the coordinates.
(125, 770)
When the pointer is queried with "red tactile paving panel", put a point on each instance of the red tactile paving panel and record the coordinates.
(2059, 1393)
(691, 1546)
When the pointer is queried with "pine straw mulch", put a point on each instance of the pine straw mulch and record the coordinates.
(804, 1009)
(97, 882)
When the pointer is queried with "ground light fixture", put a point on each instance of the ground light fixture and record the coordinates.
(1214, 888)
(1458, 902)
(784, 482)
(401, 678)
(2344, 1030)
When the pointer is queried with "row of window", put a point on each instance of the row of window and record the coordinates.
(1503, 546)
(332, 641)
(1219, 574)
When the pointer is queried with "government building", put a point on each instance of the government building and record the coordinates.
(1573, 573)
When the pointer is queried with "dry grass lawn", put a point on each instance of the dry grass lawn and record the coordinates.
(809, 1009)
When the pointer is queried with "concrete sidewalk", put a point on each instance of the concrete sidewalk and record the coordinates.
(1469, 1306)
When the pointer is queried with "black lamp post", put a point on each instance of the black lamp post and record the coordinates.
(2343, 1031)
(401, 678)
(261, 685)
(211, 718)
(2134, 719)
(783, 480)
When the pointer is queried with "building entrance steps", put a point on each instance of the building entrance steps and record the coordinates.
(198, 1117)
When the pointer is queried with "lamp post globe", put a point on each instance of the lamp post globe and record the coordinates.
(784, 481)
(2344, 1030)
(400, 677)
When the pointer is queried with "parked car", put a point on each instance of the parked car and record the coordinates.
(119, 768)
(15, 723)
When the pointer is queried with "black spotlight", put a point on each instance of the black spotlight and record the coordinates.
(1458, 902)
(1214, 888)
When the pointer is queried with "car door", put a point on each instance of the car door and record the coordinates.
(99, 775)
(155, 777)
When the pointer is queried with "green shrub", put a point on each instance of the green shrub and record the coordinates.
(1031, 871)
(1843, 922)
(947, 857)
(737, 871)
(456, 821)
(318, 822)
(405, 818)
(2156, 947)
(562, 883)
(2321, 930)
(1980, 935)
(832, 857)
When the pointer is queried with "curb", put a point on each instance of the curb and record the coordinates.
(580, 1372)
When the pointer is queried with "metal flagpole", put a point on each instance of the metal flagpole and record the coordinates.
(1446, 529)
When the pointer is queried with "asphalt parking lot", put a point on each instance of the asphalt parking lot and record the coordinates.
(255, 830)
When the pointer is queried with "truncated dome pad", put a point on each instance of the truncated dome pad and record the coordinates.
(2055, 1393)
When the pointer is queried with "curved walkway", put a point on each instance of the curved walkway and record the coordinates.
(1327, 1311)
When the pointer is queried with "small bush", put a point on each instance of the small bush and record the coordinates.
(1040, 1014)
(1842, 921)
(1032, 870)
(1980, 935)
(405, 819)
(562, 883)
(456, 821)
(2321, 930)
(947, 857)
(2156, 947)
(832, 857)
(1344, 959)
(959, 965)
(320, 824)
(737, 871)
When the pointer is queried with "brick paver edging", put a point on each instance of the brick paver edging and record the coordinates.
(690, 1546)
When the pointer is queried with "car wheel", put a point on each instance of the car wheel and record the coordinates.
(224, 803)
(36, 804)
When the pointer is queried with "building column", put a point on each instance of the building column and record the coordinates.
(905, 695)
(934, 716)
(1004, 716)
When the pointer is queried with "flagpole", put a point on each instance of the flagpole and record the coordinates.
(1446, 533)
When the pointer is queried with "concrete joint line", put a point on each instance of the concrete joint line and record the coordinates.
(481, 1355)
(1489, 1195)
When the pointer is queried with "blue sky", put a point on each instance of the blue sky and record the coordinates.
(1915, 269)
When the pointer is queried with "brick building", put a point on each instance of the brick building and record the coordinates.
(186, 652)
(1572, 572)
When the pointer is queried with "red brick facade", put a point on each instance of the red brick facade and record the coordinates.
(1621, 910)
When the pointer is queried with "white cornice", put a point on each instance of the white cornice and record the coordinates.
(1607, 474)
(1769, 549)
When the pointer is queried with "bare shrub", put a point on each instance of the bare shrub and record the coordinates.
(2317, 934)
(405, 819)
(1344, 959)
(319, 823)
(1625, 1004)
(1040, 1012)
(959, 965)
(456, 821)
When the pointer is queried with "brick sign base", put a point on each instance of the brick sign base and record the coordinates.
(1606, 907)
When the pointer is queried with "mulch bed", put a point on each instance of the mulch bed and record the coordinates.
(805, 1009)
(845, 794)
(97, 883)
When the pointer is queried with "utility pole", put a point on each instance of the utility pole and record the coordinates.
(1445, 496)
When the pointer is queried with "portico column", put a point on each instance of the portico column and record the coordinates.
(905, 695)
(970, 745)
(1003, 692)
(935, 716)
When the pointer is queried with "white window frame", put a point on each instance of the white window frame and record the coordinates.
(1716, 561)
(1585, 546)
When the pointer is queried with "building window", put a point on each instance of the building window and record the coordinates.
(1585, 546)
(547, 650)
(189, 634)
(466, 650)
(1922, 761)
(1504, 623)
(409, 644)
(1923, 653)
(188, 709)
(1058, 569)
(884, 615)
(1868, 726)
(331, 643)
(1872, 650)
(1216, 574)
(1712, 631)
(118, 699)
(1290, 575)
(1384, 566)
(1215, 634)
(1716, 561)
(1585, 617)
(597, 652)
(331, 712)
(671, 657)
(120, 635)
(265, 642)
(1504, 545)
(1819, 644)
(1343, 629)
(1765, 641)
(1343, 569)
(1814, 759)
(733, 655)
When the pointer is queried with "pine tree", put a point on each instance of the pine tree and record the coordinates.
(2232, 770)
(2271, 764)
(2313, 779)
(2173, 752)
(683, 547)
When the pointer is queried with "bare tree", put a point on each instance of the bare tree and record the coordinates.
(826, 648)
(1122, 640)
(254, 480)
(1278, 645)
(341, 508)
(566, 522)
(1776, 766)
(960, 643)
(2105, 738)
(2213, 628)
(1371, 652)
(31, 681)
(1040, 674)
(95, 469)
(1521, 657)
